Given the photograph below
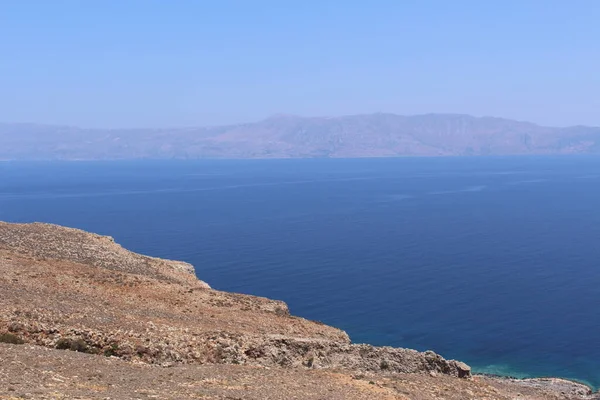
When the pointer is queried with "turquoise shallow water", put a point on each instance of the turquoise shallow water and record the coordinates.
(493, 261)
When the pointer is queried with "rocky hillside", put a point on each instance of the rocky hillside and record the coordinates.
(374, 135)
(81, 317)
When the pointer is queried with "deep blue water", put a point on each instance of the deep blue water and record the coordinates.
(493, 261)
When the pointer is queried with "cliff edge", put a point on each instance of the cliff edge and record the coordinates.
(79, 313)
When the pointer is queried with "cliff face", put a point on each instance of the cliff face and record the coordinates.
(65, 289)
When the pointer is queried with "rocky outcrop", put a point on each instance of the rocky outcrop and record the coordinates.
(354, 357)
(39, 373)
(166, 346)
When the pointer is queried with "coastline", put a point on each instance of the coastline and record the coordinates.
(556, 383)
(157, 312)
(525, 377)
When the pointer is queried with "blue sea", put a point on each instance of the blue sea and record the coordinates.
(492, 261)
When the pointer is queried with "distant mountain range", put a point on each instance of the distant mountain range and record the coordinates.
(372, 135)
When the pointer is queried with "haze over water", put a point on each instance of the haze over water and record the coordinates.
(492, 261)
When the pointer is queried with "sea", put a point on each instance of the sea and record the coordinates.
(494, 261)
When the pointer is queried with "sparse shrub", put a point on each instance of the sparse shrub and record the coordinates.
(10, 338)
(384, 364)
(112, 350)
(78, 345)
(63, 344)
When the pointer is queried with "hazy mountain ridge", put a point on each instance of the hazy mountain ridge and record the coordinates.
(369, 135)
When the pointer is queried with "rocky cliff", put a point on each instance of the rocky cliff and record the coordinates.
(78, 313)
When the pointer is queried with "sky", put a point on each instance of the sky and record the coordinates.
(158, 63)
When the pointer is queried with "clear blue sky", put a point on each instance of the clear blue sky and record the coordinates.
(145, 63)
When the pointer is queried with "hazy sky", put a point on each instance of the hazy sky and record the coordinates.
(144, 63)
